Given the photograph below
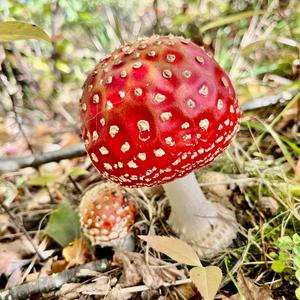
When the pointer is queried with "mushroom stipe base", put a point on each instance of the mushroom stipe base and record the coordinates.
(208, 227)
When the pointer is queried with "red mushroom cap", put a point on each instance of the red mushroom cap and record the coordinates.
(106, 214)
(156, 109)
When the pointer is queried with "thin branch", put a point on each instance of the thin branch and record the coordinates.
(49, 283)
(22, 229)
(37, 159)
(271, 100)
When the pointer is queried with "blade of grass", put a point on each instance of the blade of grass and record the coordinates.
(287, 107)
(292, 145)
(229, 19)
(281, 145)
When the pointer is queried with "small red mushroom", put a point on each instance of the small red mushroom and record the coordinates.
(106, 215)
(152, 112)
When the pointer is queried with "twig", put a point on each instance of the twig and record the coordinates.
(48, 283)
(37, 159)
(22, 229)
(268, 100)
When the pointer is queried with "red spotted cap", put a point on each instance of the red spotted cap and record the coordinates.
(106, 214)
(155, 110)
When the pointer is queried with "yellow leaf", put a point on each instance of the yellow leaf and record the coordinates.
(15, 30)
(76, 253)
(174, 248)
(207, 280)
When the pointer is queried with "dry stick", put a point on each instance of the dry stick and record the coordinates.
(37, 159)
(49, 283)
(22, 229)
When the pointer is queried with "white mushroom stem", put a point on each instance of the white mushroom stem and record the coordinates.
(208, 226)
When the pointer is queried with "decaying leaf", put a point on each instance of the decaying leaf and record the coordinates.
(77, 253)
(8, 192)
(268, 205)
(100, 286)
(136, 271)
(251, 291)
(207, 280)
(176, 249)
(63, 225)
(42, 197)
(12, 254)
(187, 291)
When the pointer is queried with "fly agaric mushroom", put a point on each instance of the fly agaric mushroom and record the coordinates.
(152, 112)
(106, 215)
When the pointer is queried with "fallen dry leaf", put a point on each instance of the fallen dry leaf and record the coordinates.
(77, 253)
(69, 139)
(12, 254)
(232, 297)
(8, 192)
(136, 271)
(268, 205)
(252, 291)
(188, 291)
(58, 266)
(207, 280)
(101, 285)
(177, 249)
(39, 199)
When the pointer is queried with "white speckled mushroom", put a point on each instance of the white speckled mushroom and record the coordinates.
(166, 109)
(106, 215)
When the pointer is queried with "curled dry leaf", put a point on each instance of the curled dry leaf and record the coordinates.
(77, 253)
(137, 271)
(251, 291)
(8, 192)
(177, 249)
(268, 205)
(12, 254)
(73, 290)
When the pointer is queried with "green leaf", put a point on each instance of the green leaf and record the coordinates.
(229, 19)
(296, 238)
(283, 256)
(273, 254)
(284, 242)
(174, 248)
(79, 171)
(15, 30)
(63, 225)
(296, 250)
(278, 266)
(297, 293)
(297, 262)
(297, 275)
(42, 180)
(207, 280)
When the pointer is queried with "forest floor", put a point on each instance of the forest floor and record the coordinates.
(258, 176)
